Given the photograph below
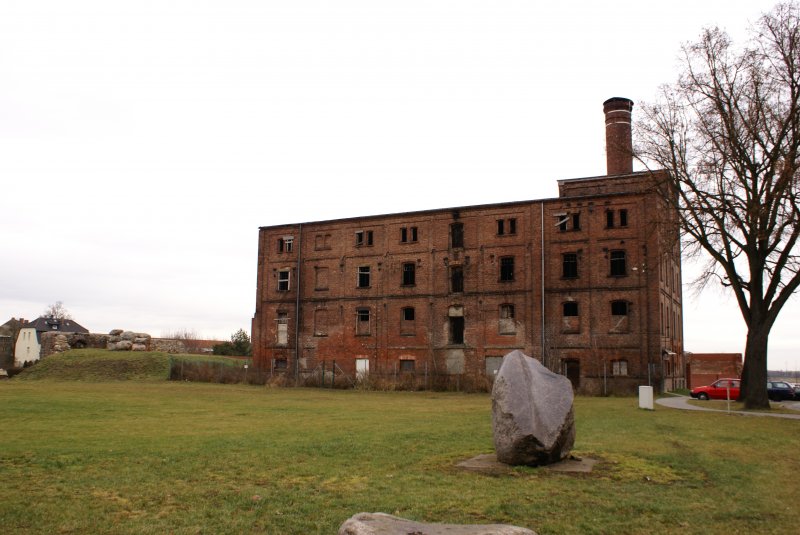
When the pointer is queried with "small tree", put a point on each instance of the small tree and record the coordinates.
(57, 311)
(728, 135)
(239, 345)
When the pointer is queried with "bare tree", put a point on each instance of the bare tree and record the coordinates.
(189, 337)
(57, 311)
(727, 133)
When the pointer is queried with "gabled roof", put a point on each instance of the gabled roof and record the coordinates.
(43, 324)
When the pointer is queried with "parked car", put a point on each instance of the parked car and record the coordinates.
(719, 389)
(796, 387)
(779, 391)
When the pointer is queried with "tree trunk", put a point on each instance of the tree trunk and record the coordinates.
(754, 373)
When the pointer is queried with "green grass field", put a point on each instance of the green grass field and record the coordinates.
(150, 456)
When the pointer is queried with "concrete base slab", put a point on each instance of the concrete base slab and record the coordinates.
(489, 465)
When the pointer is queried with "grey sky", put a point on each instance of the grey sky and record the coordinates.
(142, 144)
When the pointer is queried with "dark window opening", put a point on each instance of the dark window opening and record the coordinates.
(619, 308)
(280, 364)
(363, 237)
(456, 279)
(408, 314)
(609, 219)
(408, 234)
(507, 311)
(457, 235)
(576, 221)
(363, 276)
(507, 268)
(409, 274)
(512, 226)
(618, 267)
(571, 308)
(500, 227)
(457, 330)
(407, 366)
(562, 223)
(569, 265)
(623, 218)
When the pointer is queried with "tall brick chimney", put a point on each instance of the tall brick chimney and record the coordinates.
(619, 148)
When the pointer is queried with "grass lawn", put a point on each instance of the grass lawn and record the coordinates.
(160, 457)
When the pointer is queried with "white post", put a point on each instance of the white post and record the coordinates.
(646, 397)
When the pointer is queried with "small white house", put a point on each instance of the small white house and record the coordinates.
(29, 344)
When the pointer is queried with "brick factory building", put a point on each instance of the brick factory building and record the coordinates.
(587, 282)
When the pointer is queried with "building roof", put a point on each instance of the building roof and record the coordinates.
(43, 324)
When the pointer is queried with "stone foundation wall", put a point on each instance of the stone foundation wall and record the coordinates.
(117, 340)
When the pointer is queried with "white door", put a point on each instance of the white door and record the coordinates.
(362, 368)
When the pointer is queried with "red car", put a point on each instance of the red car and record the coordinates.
(719, 389)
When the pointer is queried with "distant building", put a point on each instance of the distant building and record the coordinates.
(705, 368)
(588, 282)
(29, 342)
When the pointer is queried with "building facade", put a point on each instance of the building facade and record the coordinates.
(29, 340)
(587, 282)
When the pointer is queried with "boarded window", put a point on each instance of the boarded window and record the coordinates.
(321, 278)
(570, 322)
(506, 323)
(283, 328)
(493, 365)
(362, 321)
(321, 322)
(407, 323)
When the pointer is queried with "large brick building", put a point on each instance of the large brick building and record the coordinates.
(586, 282)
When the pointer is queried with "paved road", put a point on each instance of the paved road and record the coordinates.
(682, 402)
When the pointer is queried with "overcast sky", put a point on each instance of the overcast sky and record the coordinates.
(143, 143)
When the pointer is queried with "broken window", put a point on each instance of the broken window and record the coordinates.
(617, 263)
(362, 321)
(506, 324)
(507, 268)
(280, 364)
(569, 265)
(283, 280)
(619, 367)
(456, 279)
(363, 276)
(570, 308)
(570, 322)
(409, 274)
(619, 308)
(363, 237)
(283, 328)
(285, 244)
(456, 329)
(568, 221)
(456, 235)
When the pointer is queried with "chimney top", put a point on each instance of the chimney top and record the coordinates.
(619, 145)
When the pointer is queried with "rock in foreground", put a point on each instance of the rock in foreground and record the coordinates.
(532, 416)
(383, 524)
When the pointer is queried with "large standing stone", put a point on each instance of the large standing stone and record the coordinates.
(383, 524)
(532, 416)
